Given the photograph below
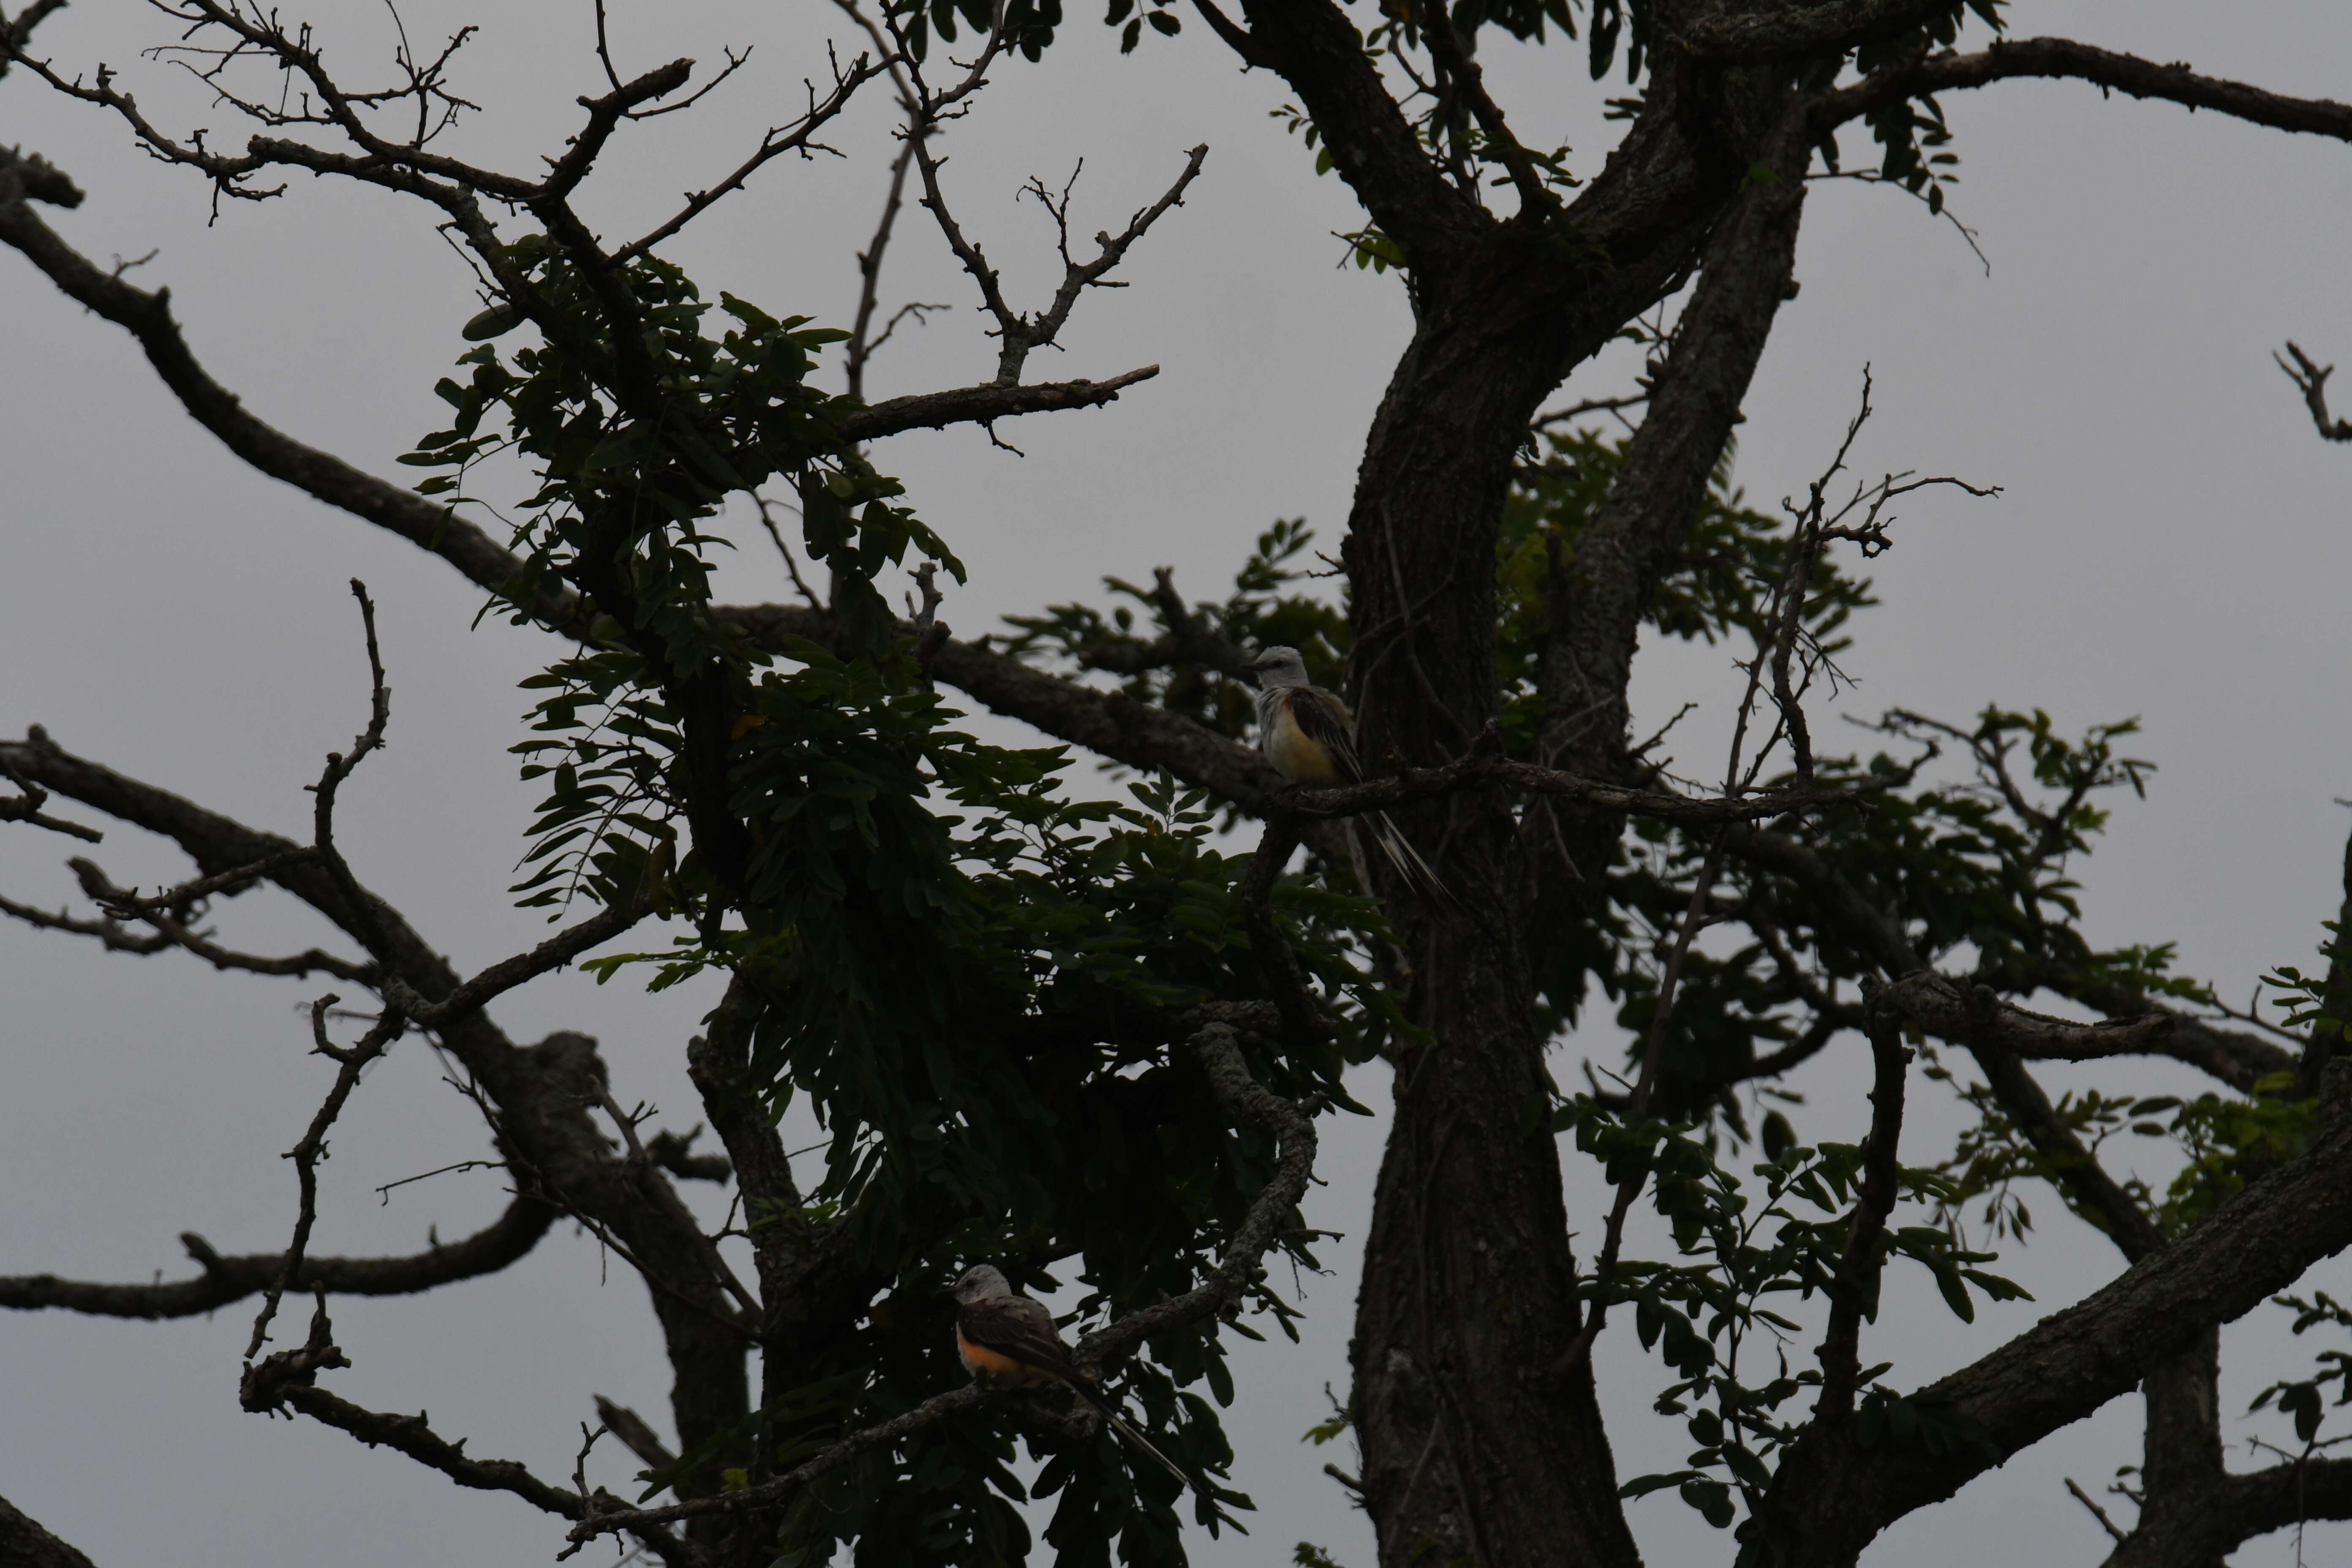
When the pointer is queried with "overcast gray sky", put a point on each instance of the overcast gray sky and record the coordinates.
(2171, 544)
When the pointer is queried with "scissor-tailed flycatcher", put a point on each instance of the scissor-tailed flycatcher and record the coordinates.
(1309, 735)
(1005, 1337)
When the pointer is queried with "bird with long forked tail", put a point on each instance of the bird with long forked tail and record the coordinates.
(1007, 1337)
(1310, 736)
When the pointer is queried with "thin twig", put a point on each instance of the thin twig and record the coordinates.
(305, 1154)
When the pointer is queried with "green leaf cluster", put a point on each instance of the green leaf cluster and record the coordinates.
(1782, 1233)
(978, 985)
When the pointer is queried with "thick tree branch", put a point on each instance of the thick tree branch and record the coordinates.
(2103, 68)
(1728, 34)
(2279, 1497)
(1410, 785)
(26, 807)
(1598, 597)
(1941, 1008)
(227, 1280)
(148, 318)
(1863, 1262)
(1832, 1498)
(1316, 47)
(979, 405)
(1998, 1033)
(23, 1542)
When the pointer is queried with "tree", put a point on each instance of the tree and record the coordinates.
(1000, 996)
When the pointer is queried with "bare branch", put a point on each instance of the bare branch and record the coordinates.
(508, 972)
(147, 317)
(2312, 381)
(635, 1435)
(126, 903)
(798, 137)
(107, 931)
(2064, 58)
(27, 176)
(289, 1379)
(26, 807)
(173, 932)
(862, 339)
(2106, 1523)
(604, 114)
(305, 1154)
(978, 405)
(1938, 1006)
(227, 1280)
(341, 766)
(1078, 277)
(1018, 335)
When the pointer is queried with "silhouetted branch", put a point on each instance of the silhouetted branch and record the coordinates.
(2312, 381)
(799, 137)
(2006, 59)
(1411, 784)
(978, 405)
(1862, 1261)
(508, 972)
(173, 932)
(227, 1280)
(289, 1379)
(351, 1062)
(26, 807)
(23, 1542)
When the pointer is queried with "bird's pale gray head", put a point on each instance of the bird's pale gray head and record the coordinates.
(981, 1282)
(1279, 667)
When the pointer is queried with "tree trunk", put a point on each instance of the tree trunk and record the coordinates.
(1475, 1446)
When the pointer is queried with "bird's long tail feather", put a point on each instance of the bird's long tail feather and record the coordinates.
(1408, 861)
(1141, 1441)
(1096, 1397)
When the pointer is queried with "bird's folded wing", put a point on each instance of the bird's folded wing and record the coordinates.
(1323, 719)
(1017, 1327)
